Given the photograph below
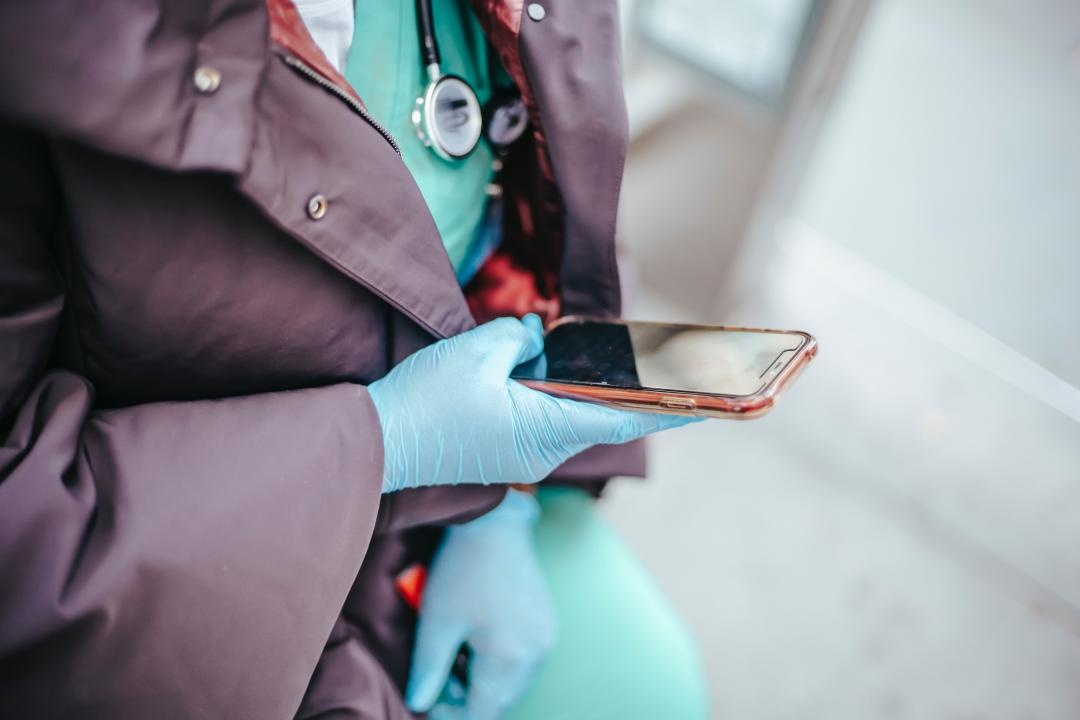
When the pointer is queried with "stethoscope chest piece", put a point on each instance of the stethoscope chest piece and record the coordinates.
(505, 120)
(448, 117)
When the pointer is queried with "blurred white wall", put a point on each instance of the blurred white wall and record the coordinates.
(952, 161)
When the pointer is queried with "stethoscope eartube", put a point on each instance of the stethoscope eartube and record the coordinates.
(447, 116)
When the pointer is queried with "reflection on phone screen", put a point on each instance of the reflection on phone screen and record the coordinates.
(662, 357)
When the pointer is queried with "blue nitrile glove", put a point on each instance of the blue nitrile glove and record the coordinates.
(451, 414)
(485, 589)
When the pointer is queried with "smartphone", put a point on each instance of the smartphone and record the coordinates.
(707, 370)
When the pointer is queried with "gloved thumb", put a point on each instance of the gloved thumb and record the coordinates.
(508, 342)
(437, 645)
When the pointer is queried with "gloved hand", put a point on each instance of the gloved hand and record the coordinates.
(485, 588)
(451, 414)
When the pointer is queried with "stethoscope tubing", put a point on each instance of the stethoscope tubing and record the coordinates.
(425, 28)
(424, 115)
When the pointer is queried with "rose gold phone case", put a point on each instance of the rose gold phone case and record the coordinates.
(673, 402)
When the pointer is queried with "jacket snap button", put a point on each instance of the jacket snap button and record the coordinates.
(316, 207)
(536, 11)
(207, 79)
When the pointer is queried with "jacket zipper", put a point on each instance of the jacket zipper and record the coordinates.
(311, 73)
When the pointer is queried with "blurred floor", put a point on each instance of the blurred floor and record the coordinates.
(873, 548)
(899, 538)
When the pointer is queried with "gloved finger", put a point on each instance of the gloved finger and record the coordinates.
(594, 424)
(496, 682)
(508, 342)
(437, 645)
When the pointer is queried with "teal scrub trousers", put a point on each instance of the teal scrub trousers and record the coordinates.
(621, 651)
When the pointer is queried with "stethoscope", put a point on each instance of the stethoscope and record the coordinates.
(448, 116)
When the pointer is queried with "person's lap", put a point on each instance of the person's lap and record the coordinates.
(621, 651)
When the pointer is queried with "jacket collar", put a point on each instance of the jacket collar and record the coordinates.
(407, 266)
(287, 30)
(582, 109)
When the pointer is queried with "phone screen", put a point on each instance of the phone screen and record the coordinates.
(662, 357)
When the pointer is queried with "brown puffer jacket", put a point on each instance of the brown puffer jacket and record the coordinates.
(206, 251)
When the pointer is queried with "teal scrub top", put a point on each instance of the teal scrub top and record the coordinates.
(385, 68)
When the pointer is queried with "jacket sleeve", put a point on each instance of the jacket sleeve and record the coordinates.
(176, 559)
(350, 683)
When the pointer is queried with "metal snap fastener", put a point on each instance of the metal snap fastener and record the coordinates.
(536, 11)
(207, 79)
(316, 207)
